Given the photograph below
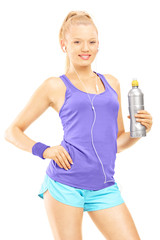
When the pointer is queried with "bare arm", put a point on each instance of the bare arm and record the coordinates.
(124, 141)
(37, 104)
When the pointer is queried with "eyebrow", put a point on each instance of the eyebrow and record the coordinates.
(81, 38)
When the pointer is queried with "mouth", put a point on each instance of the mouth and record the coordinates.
(84, 56)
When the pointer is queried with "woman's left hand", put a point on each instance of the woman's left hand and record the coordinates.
(144, 118)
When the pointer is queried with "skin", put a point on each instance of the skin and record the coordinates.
(76, 45)
(115, 222)
(65, 220)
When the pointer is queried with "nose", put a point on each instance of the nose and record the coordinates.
(85, 47)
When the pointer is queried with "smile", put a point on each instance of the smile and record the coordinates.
(84, 57)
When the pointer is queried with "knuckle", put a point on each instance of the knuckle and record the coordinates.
(68, 156)
(61, 160)
(67, 164)
(64, 162)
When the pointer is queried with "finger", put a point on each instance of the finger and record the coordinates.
(142, 111)
(67, 163)
(55, 158)
(67, 155)
(143, 116)
(58, 162)
(144, 120)
(146, 125)
(63, 160)
(60, 157)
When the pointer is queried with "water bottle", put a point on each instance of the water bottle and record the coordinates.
(136, 102)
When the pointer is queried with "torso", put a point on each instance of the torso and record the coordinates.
(58, 97)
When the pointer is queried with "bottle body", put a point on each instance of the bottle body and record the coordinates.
(136, 102)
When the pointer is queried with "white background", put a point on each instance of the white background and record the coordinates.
(30, 52)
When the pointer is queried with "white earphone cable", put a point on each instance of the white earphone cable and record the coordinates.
(94, 118)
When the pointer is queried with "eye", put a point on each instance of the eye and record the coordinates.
(90, 42)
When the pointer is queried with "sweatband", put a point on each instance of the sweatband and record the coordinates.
(38, 149)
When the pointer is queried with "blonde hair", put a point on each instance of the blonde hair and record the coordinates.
(73, 17)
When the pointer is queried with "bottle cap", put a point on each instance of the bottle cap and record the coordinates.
(135, 83)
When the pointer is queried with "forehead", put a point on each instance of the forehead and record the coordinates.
(82, 31)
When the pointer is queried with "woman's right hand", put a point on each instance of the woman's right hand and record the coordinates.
(59, 155)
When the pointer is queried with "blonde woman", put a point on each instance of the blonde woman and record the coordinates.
(79, 176)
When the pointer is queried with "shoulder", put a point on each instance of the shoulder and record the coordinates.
(113, 81)
(54, 87)
(52, 81)
(111, 78)
(53, 84)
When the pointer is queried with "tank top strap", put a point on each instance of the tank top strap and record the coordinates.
(103, 79)
(65, 81)
(69, 84)
(71, 88)
(107, 85)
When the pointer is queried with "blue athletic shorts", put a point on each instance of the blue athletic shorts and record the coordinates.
(89, 200)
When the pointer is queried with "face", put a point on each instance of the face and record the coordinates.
(81, 40)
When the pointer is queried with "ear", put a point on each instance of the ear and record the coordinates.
(63, 46)
(98, 47)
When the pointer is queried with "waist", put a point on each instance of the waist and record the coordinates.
(105, 149)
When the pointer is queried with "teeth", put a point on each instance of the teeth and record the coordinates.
(85, 56)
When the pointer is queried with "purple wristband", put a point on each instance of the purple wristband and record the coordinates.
(38, 149)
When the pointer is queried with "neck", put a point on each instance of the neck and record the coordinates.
(83, 71)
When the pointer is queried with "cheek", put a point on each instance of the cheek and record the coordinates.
(94, 49)
(74, 51)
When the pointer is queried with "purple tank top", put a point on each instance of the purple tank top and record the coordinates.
(90, 137)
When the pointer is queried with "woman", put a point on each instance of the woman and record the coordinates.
(79, 176)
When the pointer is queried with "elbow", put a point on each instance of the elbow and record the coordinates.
(119, 150)
(8, 134)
